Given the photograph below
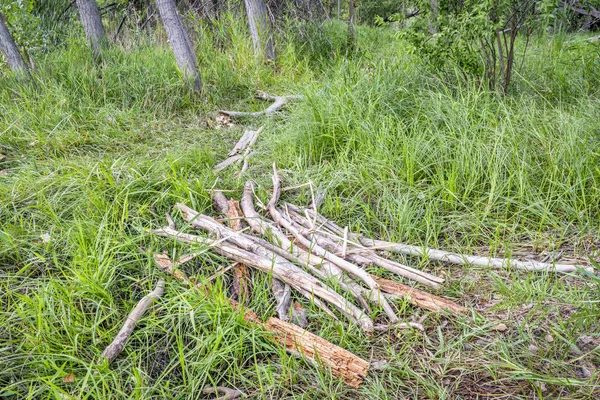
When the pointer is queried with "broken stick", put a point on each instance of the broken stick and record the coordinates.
(278, 102)
(117, 345)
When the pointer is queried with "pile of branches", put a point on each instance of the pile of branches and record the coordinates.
(310, 254)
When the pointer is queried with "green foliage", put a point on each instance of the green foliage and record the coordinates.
(23, 24)
(370, 11)
(475, 37)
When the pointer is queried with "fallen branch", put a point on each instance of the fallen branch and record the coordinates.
(243, 145)
(446, 256)
(278, 103)
(463, 259)
(117, 345)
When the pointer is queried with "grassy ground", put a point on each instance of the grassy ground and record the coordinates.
(94, 157)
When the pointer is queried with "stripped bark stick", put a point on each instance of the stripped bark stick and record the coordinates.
(118, 344)
(463, 259)
(447, 256)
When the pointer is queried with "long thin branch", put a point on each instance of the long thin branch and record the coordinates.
(118, 344)
(450, 257)
(278, 103)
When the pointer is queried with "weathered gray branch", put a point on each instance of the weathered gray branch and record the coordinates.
(117, 345)
(278, 102)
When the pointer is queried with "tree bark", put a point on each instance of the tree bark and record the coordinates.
(260, 29)
(351, 44)
(180, 42)
(92, 25)
(10, 49)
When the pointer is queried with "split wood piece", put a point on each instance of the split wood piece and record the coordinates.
(281, 290)
(241, 281)
(118, 344)
(247, 140)
(364, 257)
(418, 297)
(343, 363)
(264, 260)
(278, 103)
(228, 394)
(314, 247)
(450, 257)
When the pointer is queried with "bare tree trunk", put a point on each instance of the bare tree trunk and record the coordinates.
(260, 29)
(351, 45)
(435, 10)
(92, 25)
(180, 42)
(10, 49)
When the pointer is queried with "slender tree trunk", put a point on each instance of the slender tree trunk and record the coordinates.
(260, 29)
(351, 45)
(180, 42)
(10, 49)
(435, 10)
(92, 25)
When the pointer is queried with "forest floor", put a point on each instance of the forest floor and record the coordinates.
(92, 159)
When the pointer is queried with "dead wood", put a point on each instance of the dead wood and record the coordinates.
(118, 344)
(228, 394)
(264, 260)
(446, 256)
(241, 151)
(339, 244)
(314, 247)
(318, 265)
(418, 297)
(342, 363)
(463, 259)
(278, 103)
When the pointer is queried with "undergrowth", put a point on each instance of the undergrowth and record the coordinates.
(95, 156)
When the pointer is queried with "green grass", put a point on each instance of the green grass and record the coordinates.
(96, 156)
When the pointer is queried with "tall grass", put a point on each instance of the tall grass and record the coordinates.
(95, 156)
